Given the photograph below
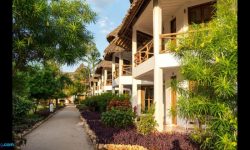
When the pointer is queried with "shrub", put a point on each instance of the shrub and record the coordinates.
(82, 107)
(121, 97)
(146, 123)
(26, 122)
(76, 101)
(44, 113)
(98, 102)
(118, 118)
(103, 132)
(117, 104)
(21, 107)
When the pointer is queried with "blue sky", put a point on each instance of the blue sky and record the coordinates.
(110, 15)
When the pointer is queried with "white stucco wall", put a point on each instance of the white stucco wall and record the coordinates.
(184, 84)
(125, 80)
(107, 87)
(181, 17)
(168, 60)
(144, 67)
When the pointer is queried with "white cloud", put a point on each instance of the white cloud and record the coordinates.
(105, 25)
(103, 22)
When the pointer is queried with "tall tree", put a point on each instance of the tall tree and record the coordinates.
(92, 59)
(209, 60)
(50, 30)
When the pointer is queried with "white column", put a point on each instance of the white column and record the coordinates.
(158, 73)
(139, 98)
(113, 69)
(134, 95)
(102, 82)
(120, 73)
(105, 78)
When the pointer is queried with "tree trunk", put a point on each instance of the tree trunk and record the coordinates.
(56, 103)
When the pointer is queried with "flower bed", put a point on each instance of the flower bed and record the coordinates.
(103, 132)
(129, 136)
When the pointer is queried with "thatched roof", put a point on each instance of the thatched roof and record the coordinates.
(136, 7)
(113, 48)
(98, 71)
(101, 65)
(121, 38)
(113, 34)
(80, 67)
(94, 78)
(104, 64)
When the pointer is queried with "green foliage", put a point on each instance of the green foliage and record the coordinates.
(121, 97)
(81, 107)
(118, 104)
(209, 57)
(118, 118)
(20, 84)
(92, 59)
(54, 30)
(76, 101)
(21, 107)
(98, 102)
(147, 123)
(43, 84)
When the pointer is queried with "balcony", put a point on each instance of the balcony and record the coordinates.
(144, 53)
(116, 73)
(126, 70)
(170, 40)
(109, 82)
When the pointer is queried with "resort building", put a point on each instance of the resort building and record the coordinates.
(104, 83)
(146, 68)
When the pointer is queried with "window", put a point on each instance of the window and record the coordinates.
(126, 62)
(116, 60)
(201, 13)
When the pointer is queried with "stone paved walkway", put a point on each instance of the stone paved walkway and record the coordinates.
(63, 131)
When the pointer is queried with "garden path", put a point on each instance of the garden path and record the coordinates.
(63, 131)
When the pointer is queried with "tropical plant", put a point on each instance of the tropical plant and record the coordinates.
(146, 123)
(50, 30)
(92, 59)
(21, 107)
(98, 102)
(118, 118)
(209, 59)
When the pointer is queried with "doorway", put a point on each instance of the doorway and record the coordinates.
(173, 100)
(173, 30)
(147, 97)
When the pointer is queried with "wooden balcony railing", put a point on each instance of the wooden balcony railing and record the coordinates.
(116, 73)
(126, 70)
(144, 53)
(170, 40)
(109, 75)
(109, 82)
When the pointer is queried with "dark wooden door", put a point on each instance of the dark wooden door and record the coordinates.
(173, 102)
(173, 30)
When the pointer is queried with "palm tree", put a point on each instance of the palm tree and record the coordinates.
(92, 59)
